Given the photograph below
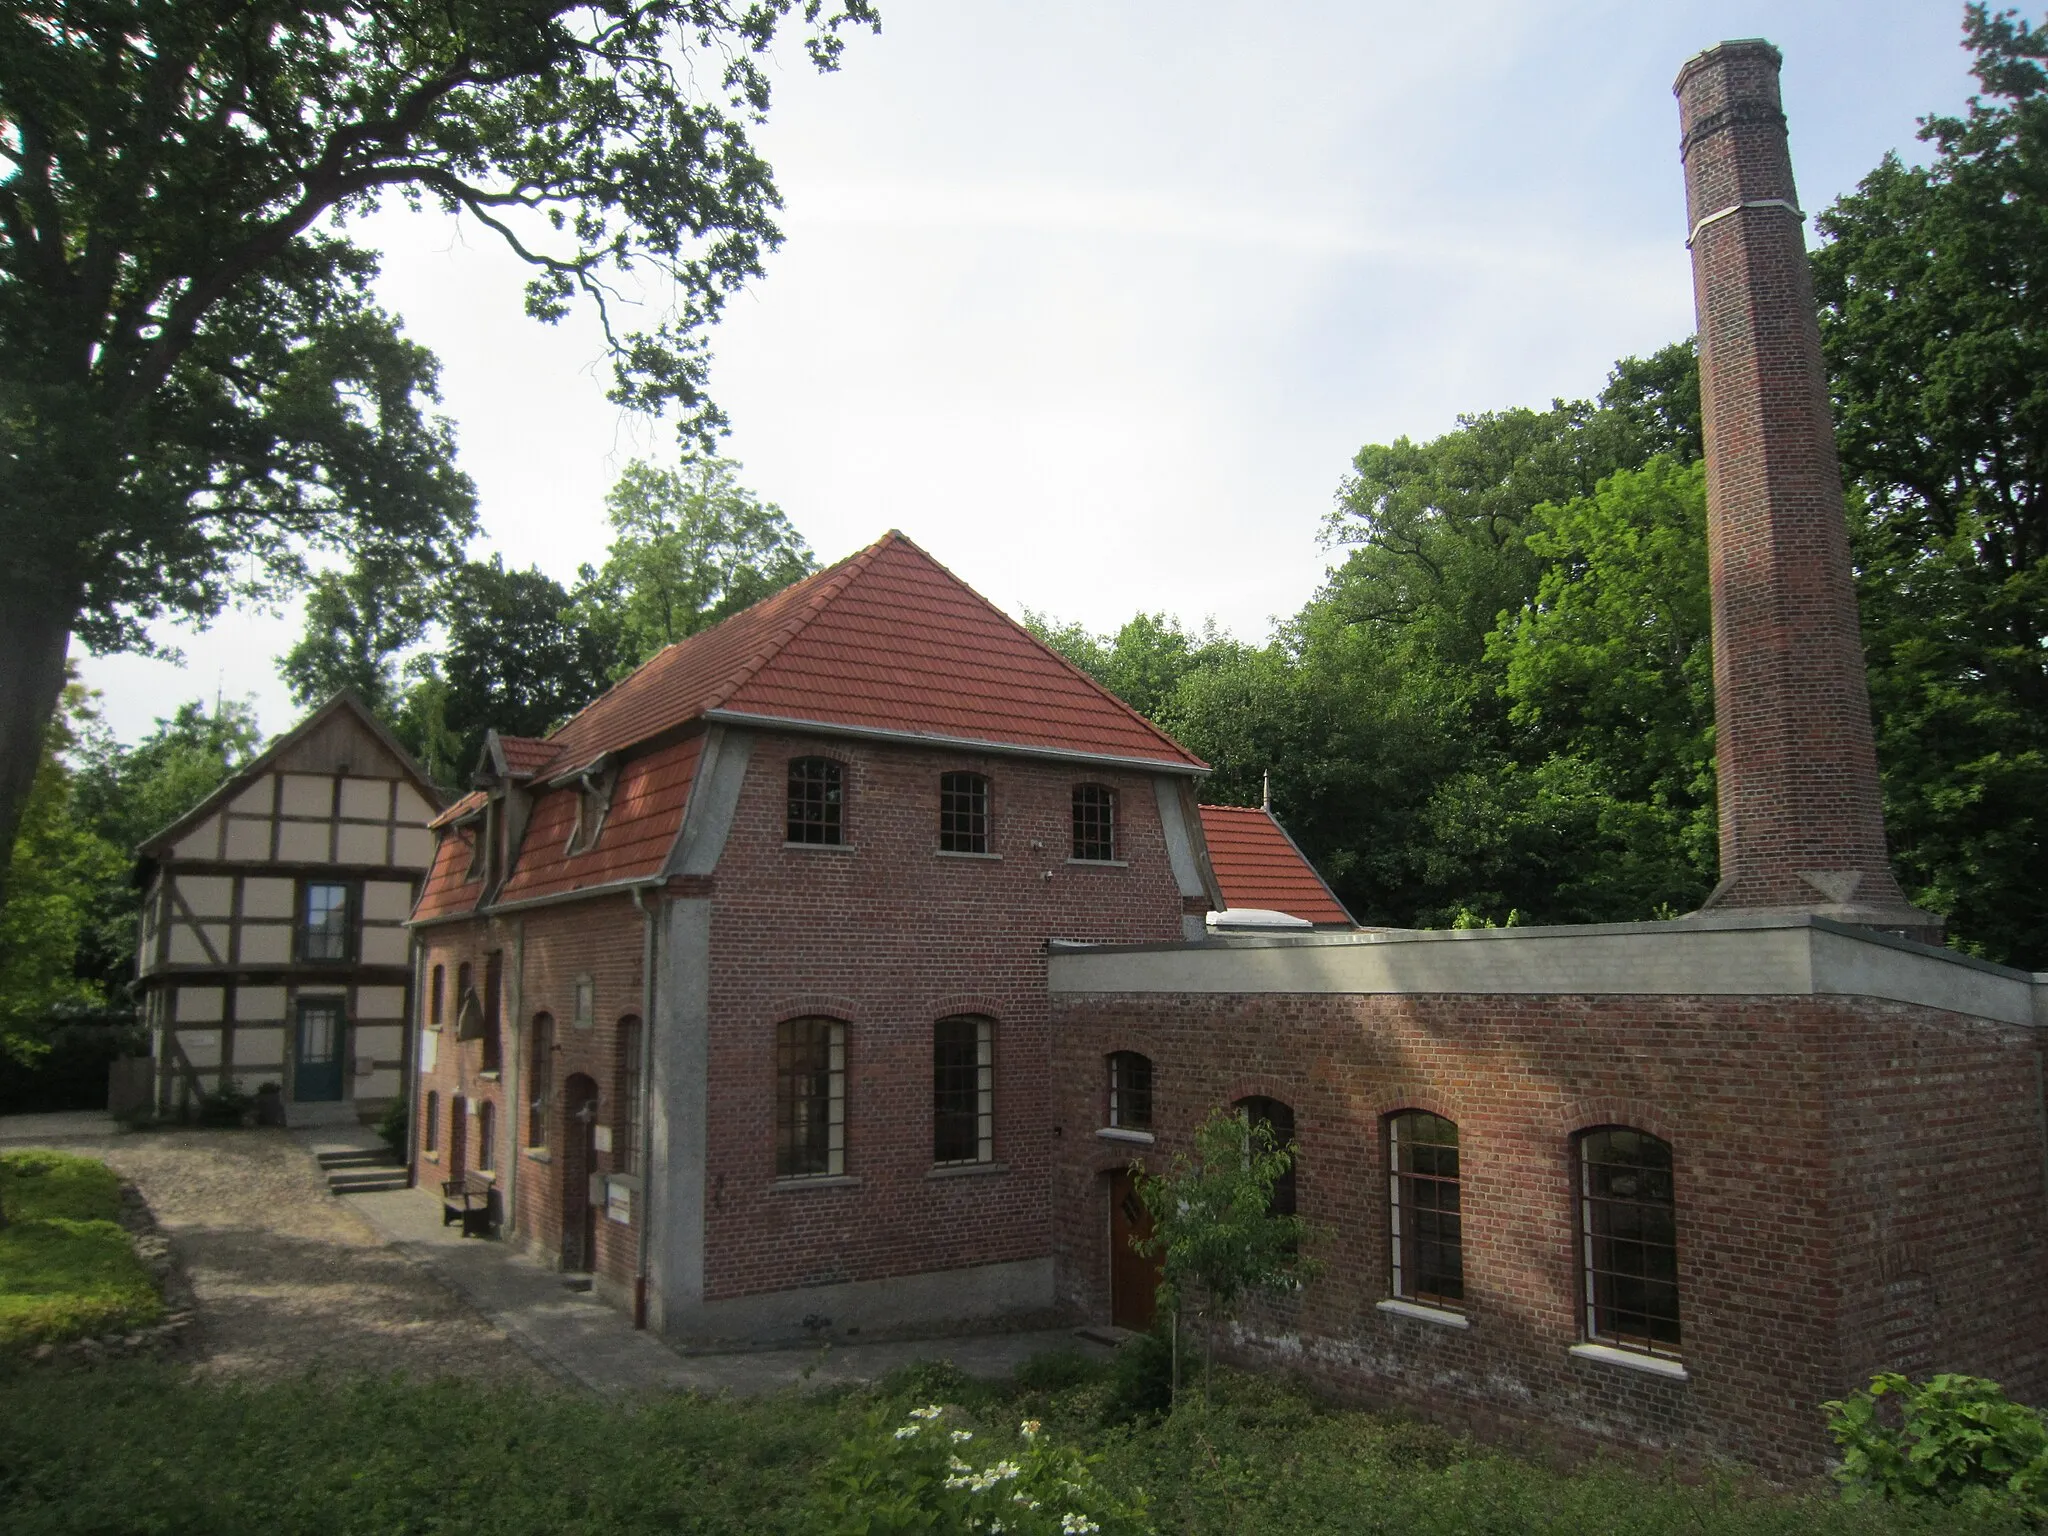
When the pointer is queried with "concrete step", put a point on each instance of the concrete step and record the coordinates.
(364, 1183)
(336, 1112)
(359, 1157)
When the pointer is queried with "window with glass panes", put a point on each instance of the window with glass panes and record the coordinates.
(963, 813)
(540, 1079)
(430, 1132)
(1426, 1236)
(626, 1145)
(810, 1098)
(963, 1091)
(1094, 823)
(1628, 1235)
(816, 800)
(1278, 1117)
(1130, 1091)
(323, 922)
(487, 1135)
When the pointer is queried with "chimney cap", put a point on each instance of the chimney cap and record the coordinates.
(1733, 48)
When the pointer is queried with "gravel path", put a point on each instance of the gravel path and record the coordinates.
(287, 1277)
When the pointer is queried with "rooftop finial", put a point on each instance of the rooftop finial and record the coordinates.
(1266, 791)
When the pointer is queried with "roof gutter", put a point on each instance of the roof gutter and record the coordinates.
(527, 904)
(970, 743)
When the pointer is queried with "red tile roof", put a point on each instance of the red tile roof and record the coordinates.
(526, 754)
(887, 640)
(446, 893)
(473, 801)
(1257, 865)
(639, 829)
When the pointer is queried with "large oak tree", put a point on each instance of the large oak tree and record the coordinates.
(196, 387)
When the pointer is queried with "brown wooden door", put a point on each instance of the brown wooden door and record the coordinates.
(458, 1137)
(579, 1162)
(1133, 1276)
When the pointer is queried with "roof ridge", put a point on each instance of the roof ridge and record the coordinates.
(806, 615)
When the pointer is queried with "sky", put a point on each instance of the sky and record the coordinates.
(1096, 299)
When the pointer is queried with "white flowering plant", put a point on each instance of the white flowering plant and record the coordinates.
(935, 1471)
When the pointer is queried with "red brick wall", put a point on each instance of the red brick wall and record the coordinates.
(891, 936)
(1783, 1114)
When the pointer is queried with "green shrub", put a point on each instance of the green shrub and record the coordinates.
(395, 1125)
(1954, 1440)
(226, 1107)
(1140, 1378)
(1059, 1370)
(37, 1184)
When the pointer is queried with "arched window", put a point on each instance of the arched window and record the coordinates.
(963, 813)
(487, 1135)
(1094, 823)
(626, 1134)
(434, 997)
(1425, 1231)
(1628, 1231)
(1278, 1118)
(963, 1091)
(816, 799)
(1130, 1091)
(810, 1098)
(540, 1079)
(430, 1129)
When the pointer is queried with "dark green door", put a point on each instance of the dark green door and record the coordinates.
(317, 1076)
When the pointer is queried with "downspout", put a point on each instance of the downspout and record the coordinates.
(409, 1060)
(643, 1155)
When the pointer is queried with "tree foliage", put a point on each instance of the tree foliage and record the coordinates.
(196, 387)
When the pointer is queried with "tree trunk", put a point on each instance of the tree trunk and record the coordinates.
(33, 635)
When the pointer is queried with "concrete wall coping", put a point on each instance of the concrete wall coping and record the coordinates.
(1714, 956)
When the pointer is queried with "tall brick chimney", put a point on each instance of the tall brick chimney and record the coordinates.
(1802, 828)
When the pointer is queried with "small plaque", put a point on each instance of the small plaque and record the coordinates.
(619, 1207)
(601, 1137)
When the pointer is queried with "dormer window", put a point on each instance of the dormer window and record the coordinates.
(816, 800)
(593, 804)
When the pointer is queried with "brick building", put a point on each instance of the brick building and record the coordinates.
(831, 972)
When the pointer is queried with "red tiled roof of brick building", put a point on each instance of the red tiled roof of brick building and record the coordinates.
(527, 754)
(1258, 865)
(639, 828)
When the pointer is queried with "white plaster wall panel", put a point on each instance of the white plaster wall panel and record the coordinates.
(415, 848)
(361, 843)
(253, 1078)
(413, 806)
(430, 1049)
(208, 895)
(306, 795)
(303, 842)
(379, 1042)
(187, 949)
(202, 842)
(259, 1049)
(198, 1005)
(258, 1003)
(387, 901)
(378, 1085)
(385, 946)
(380, 1002)
(266, 944)
(201, 1046)
(256, 799)
(248, 840)
(366, 799)
(267, 897)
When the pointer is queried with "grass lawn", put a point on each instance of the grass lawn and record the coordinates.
(67, 1268)
(139, 1447)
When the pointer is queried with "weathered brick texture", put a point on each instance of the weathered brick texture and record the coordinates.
(1859, 1184)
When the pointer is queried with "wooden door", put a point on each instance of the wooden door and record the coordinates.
(579, 1162)
(1133, 1276)
(458, 1137)
(317, 1059)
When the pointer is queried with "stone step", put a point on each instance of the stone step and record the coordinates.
(360, 1157)
(364, 1183)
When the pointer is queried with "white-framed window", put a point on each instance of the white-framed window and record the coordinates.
(810, 1098)
(963, 1091)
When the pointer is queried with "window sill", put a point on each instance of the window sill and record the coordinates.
(823, 847)
(1631, 1360)
(432, 1157)
(489, 1075)
(960, 853)
(815, 1181)
(1122, 1133)
(966, 1170)
(1102, 863)
(539, 1155)
(1441, 1317)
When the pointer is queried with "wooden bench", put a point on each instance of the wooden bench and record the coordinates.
(468, 1200)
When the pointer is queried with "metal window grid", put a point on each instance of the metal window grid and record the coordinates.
(1094, 822)
(963, 813)
(626, 1152)
(963, 1091)
(430, 1133)
(540, 1080)
(487, 1135)
(816, 798)
(1629, 1240)
(810, 1098)
(1426, 1225)
(1130, 1091)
